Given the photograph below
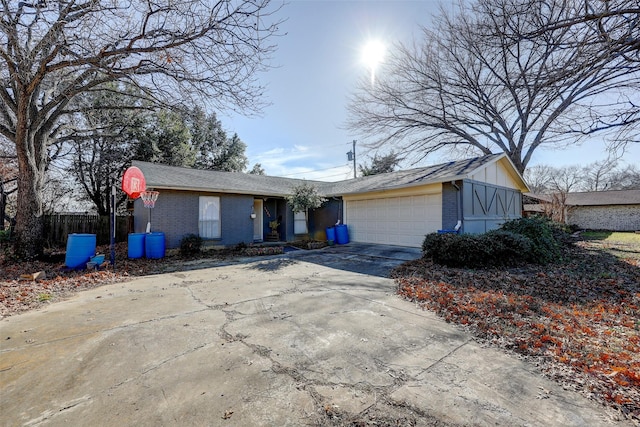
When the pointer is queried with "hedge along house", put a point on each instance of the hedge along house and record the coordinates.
(397, 208)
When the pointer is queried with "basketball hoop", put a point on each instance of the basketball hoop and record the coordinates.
(133, 182)
(149, 198)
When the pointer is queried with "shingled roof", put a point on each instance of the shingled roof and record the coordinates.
(160, 176)
(444, 172)
(604, 198)
(177, 178)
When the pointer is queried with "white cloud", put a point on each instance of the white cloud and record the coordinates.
(304, 163)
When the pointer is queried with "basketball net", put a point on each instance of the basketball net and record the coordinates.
(149, 199)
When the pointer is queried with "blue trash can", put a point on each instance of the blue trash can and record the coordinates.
(342, 234)
(331, 234)
(80, 248)
(154, 245)
(135, 245)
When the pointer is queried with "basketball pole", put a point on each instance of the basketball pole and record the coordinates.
(113, 226)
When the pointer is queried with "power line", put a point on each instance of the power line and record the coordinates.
(316, 170)
(346, 176)
(259, 156)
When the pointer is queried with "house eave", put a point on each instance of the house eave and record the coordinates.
(213, 190)
(401, 186)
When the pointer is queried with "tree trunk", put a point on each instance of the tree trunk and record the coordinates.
(28, 232)
(3, 205)
(31, 151)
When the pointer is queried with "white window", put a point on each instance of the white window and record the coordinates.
(299, 223)
(209, 217)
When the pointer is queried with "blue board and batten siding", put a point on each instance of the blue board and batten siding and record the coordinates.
(485, 206)
(176, 215)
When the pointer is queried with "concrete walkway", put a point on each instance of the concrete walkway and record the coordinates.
(312, 338)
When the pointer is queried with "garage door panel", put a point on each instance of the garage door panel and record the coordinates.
(394, 220)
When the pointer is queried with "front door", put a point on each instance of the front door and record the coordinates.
(257, 221)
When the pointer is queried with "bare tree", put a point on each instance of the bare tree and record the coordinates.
(103, 141)
(615, 23)
(612, 26)
(597, 175)
(557, 182)
(627, 178)
(52, 51)
(476, 82)
(8, 179)
(609, 26)
(562, 181)
(538, 178)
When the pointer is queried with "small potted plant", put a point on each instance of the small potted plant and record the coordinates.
(273, 235)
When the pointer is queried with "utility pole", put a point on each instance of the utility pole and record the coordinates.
(351, 155)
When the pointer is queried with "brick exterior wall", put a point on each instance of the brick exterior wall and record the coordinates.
(176, 215)
(613, 218)
(451, 212)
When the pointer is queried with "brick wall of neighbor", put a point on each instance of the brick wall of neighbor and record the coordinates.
(450, 210)
(614, 218)
(176, 215)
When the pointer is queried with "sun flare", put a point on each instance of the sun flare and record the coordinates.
(372, 55)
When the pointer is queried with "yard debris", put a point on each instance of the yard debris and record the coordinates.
(227, 415)
(53, 279)
(34, 276)
(577, 320)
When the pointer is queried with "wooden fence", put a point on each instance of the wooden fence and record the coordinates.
(58, 227)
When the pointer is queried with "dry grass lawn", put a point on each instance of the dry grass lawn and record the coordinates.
(578, 319)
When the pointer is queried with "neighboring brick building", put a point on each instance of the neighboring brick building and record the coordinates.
(605, 210)
(614, 210)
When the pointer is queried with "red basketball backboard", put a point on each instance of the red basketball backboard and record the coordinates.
(133, 182)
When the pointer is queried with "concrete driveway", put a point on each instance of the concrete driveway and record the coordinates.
(313, 338)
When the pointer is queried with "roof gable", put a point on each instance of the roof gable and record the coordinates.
(444, 172)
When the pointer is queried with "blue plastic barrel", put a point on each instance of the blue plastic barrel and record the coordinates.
(342, 234)
(154, 245)
(135, 245)
(331, 233)
(80, 248)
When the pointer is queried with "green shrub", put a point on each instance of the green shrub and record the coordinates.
(507, 248)
(435, 244)
(240, 247)
(5, 236)
(562, 233)
(190, 245)
(494, 249)
(545, 247)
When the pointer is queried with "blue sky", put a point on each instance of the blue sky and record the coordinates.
(301, 134)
